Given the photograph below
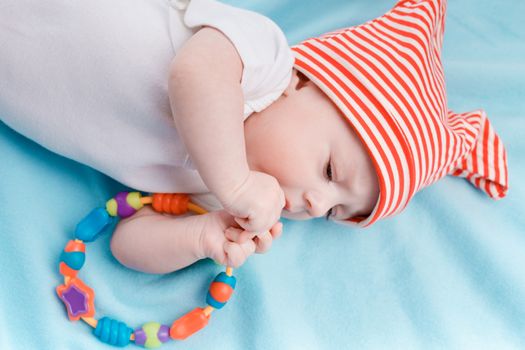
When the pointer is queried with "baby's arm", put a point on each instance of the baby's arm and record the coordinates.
(207, 103)
(156, 243)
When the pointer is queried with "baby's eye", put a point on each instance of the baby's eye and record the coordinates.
(329, 170)
(329, 177)
(329, 214)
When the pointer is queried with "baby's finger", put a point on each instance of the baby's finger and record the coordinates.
(238, 253)
(277, 230)
(233, 233)
(249, 225)
(263, 242)
(238, 235)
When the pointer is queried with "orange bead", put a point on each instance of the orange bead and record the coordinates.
(170, 203)
(188, 324)
(221, 291)
(75, 246)
(66, 270)
(72, 258)
(78, 298)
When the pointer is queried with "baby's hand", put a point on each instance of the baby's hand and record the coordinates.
(263, 241)
(229, 245)
(257, 203)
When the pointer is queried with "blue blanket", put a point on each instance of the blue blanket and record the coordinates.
(446, 273)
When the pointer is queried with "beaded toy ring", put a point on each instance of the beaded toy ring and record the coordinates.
(79, 298)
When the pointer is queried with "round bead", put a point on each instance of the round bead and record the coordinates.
(73, 256)
(66, 270)
(124, 210)
(133, 199)
(225, 278)
(74, 260)
(90, 228)
(152, 335)
(112, 332)
(111, 207)
(124, 204)
(220, 290)
(75, 246)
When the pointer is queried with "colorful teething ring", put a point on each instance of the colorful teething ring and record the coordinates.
(79, 298)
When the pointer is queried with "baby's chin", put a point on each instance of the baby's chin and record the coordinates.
(295, 216)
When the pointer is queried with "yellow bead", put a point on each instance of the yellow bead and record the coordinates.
(111, 207)
(133, 200)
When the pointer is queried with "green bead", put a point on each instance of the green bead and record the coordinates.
(151, 329)
(111, 207)
(133, 199)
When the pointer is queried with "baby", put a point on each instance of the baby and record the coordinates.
(204, 98)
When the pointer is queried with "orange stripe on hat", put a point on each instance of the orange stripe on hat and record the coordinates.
(387, 78)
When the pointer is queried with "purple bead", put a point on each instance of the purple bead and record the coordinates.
(140, 336)
(164, 333)
(75, 300)
(124, 210)
(142, 333)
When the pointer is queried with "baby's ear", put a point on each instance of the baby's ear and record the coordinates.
(298, 81)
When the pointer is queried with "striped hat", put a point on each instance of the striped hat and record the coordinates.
(386, 77)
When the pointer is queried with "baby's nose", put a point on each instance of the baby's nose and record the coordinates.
(315, 204)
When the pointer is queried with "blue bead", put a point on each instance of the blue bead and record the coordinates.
(124, 332)
(229, 280)
(212, 302)
(92, 225)
(224, 278)
(75, 260)
(103, 329)
(112, 332)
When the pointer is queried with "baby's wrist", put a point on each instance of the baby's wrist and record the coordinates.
(207, 242)
(231, 191)
(199, 237)
(194, 235)
(211, 236)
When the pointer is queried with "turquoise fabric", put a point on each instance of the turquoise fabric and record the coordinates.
(447, 273)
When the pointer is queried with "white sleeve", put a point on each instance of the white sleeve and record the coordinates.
(261, 44)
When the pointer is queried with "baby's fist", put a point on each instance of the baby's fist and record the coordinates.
(257, 203)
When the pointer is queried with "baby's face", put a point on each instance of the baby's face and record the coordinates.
(303, 140)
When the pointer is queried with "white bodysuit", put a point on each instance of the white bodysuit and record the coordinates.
(89, 79)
